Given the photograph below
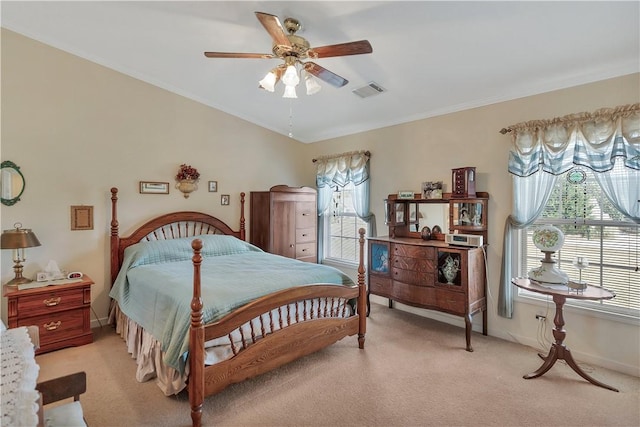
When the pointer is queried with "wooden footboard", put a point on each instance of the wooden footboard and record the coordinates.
(310, 318)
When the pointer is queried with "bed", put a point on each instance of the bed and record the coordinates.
(199, 307)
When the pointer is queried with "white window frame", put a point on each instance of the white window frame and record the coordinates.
(591, 308)
(326, 224)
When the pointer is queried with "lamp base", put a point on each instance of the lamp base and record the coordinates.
(18, 281)
(549, 273)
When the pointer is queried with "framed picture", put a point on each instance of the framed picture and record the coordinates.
(224, 199)
(432, 190)
(147, 187)
(82, 217)
(213, 186)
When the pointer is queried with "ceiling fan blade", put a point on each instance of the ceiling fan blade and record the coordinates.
(272, 24)
(343, 49)
(324, 74)
(238, 55)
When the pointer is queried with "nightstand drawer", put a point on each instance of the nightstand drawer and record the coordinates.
(49, 302)
(59, 326)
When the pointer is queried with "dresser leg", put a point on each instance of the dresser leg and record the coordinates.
(467, 330)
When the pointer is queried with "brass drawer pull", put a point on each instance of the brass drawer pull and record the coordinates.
(52, 326)
(52, 301)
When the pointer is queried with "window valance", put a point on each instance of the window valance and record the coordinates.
(593, 140)
(342, 169)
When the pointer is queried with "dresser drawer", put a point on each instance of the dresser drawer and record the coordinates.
(417, 278)
(380, 286)
(423, 265)
(451, 301)
(58, 326)
(306, 215)
(305, 250)
(413, 251)
(50, 302)
(304, 235)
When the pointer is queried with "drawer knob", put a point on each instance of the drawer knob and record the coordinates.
(52, 326)
(305, 214)
(52, 301)
(291, 246)
(304, 250)
(304, 235)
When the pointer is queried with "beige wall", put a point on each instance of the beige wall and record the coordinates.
(404, 156)
(76, 129)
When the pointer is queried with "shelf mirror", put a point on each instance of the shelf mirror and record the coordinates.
(430, 214)
(11, 183)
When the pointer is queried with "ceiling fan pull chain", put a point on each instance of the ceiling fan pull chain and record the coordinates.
(290, 118)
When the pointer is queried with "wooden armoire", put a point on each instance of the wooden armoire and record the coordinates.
(284, 221)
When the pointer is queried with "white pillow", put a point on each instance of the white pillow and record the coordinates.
(67, 415)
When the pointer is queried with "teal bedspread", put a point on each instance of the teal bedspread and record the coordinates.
(155, 284)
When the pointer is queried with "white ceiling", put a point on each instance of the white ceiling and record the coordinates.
(431, 57)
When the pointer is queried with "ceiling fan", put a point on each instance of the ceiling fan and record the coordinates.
(293, 49)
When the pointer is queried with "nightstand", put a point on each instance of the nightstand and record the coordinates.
(61, 312)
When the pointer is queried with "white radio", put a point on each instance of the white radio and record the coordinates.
(463, 239)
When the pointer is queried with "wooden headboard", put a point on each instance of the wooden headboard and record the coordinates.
(172, 225)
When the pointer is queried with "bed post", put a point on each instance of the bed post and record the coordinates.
(362, 295)
(196, 342)
(242, 226)
(115, 239)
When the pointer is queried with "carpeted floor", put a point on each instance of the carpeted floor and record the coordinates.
(412, 372)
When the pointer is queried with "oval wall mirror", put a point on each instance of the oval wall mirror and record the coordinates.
(11, 183)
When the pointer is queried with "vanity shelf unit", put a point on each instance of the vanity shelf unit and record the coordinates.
(432, 274)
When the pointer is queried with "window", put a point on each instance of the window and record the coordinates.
(341, 227)
(594, 229)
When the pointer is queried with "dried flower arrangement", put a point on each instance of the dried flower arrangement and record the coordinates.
(187, 172)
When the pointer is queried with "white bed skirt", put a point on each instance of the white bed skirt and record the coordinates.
(147, 351)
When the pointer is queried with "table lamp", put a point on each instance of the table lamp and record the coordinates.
(548, 239)
(18, 239)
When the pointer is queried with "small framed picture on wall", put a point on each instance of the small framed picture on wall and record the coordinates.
(224, 199)
(213, 186)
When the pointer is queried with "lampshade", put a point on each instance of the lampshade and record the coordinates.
(269, 81)
(289, 92)
(18, 238)
(290, 77)
(312, 84)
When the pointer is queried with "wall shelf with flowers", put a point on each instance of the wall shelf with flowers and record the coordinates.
(187, 179)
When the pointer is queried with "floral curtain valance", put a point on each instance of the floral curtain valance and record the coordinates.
(593, 140)
(342, 169)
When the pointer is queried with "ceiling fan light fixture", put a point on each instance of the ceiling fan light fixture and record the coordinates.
(269, 81)
(289, 91)
(290, 77)
(312, 84)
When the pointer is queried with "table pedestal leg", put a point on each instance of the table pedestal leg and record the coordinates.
(558, 351)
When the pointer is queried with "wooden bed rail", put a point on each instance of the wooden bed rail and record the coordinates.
(197, 334)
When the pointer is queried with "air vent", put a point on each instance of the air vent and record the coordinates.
(371, 89)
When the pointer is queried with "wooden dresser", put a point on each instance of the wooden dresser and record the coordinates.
(284, 221)
(61, 312)
(432, 274)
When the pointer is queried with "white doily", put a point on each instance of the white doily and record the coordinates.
(19, 375)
